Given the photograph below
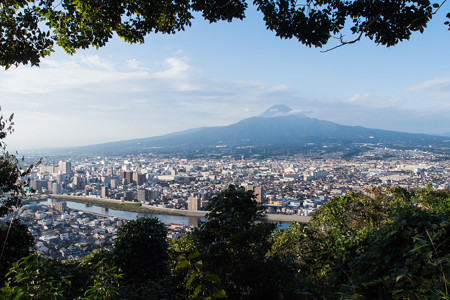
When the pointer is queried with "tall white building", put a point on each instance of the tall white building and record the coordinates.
(65, 167)
(194, 203)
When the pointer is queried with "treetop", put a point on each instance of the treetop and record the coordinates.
(29, 29)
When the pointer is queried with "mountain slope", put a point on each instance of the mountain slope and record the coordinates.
(293, 130)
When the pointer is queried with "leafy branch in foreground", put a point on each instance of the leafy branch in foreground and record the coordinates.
(15, 239)
(30, 29)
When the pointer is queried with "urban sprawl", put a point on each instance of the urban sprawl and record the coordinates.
(294, 185)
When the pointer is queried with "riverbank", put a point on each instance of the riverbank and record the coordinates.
(143, 208)
(130, 206)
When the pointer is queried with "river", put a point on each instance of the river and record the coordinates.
(166, 219)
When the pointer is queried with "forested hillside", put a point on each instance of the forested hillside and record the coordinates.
(388, 243)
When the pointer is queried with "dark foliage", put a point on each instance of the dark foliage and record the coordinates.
(15, 239)
(227, 254)
(38, 277)
(11, 186)
(29, 29)
(406, 259)
(389, 243)
(16, 242)
(141, 250)
(309, 252)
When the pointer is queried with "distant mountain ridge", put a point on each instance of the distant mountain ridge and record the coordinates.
(278, 127)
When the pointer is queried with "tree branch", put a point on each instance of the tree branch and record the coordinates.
(343, 43)
(437, 9)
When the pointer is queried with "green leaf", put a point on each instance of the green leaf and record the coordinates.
(395, 292)
(182, 265)
(189, 282)
(219, 293)
(399, 277)
(193, 255)
(197, 290)
(212, 277)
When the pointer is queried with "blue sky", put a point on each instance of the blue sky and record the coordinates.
(218, 74)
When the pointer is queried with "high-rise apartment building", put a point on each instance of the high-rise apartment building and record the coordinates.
(257, 190)
(127, 196)
(37, 185)
(143, 195)
(127, 177)
(79, 182)
(105, 192)
(194, 203)
(154, 194)
(114, 183)
(65, 167)
(56, 188)
(139, 179)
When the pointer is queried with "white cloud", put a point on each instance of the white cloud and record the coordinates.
(134, 64)
(358, 98)
(437, 84)
(94, 61)
(104, 108)
(372, 101)
(299, 111)
(175, 67)
(140, 101)
(85, 95)
(279, 88)
(87, 100)
(433, 94)
(62, 76)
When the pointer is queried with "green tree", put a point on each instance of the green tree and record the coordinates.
(141, 253)
(350, 218)
(94, 276)
(229, 251)
(39, 277)
(191, 279)
(30, 29)
(387, 243)
(36, 277)
(141, 249)
(309, 252)
(11, 173)
(16, 242)
(15, 239)
(407, 259)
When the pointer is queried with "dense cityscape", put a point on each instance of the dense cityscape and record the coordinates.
(291, 185)
(288, 185)
(65, 233)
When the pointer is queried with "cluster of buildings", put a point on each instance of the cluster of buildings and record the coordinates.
(296, 184)
(291, 185)
(64, 233)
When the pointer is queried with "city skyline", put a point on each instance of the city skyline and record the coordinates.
(218, 74)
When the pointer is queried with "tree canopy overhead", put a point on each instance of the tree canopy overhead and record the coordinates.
(29, 29)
